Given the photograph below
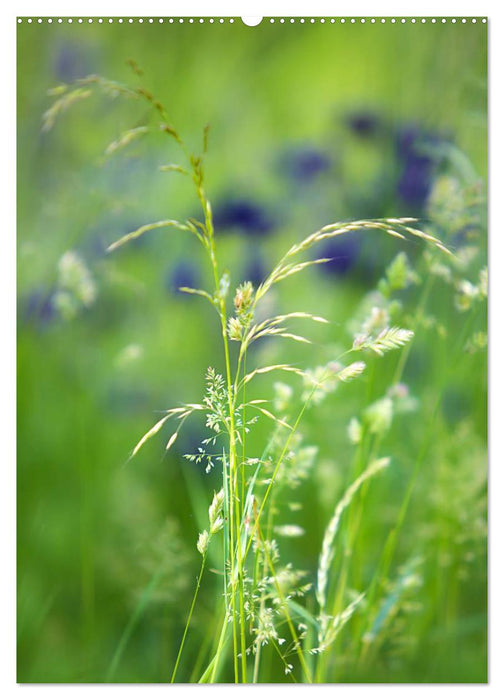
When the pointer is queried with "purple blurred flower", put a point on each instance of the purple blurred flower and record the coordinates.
(255, 271)
(416, 150)
(306, 164)
(242, 215)
(183, 274)
(343, 254)
(72, 61)
(411, 139)
(415, 182)
(364, 124)
(39, 308)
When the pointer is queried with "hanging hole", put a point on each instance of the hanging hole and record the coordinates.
(251, 21)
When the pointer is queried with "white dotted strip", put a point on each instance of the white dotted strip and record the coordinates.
(121, 20)
(272, 20)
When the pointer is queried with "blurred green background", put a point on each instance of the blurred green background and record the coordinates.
(309, 124)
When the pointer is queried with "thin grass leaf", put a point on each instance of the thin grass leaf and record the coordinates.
(198, 292)
(268, 414)
(289, 270)
(78, 90)
(185, 414)
(125, 139)
(61, 105)
(297, 314)
(293, 336)
(110, 87)
(144, 229)
(408, 578)
(269, 327)
(270, 330)
(396, 234)
(57, 90)
(205, 138)
(171, 441)
(210, 671)
(328, 549)
(402, 220)
(173, 168)
(271, 368)
(150, 433)
(180, 409)
(331, 627)
(187, 409)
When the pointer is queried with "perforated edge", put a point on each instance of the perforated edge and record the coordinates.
(266, 20)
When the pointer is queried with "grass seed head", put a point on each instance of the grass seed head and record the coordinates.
(235, 329)
(202, 544)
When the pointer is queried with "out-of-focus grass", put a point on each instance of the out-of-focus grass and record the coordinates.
(92, 529)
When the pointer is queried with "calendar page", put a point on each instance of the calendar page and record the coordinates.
(251, 349)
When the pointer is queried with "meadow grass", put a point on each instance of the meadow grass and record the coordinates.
(270, 617)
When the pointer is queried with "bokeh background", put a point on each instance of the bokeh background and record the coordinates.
(310, 123)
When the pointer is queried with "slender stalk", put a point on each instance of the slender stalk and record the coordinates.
(220, 647)
(244, 433)
(198, 583)
(204, 650)
(235, 518)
